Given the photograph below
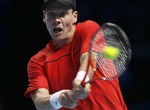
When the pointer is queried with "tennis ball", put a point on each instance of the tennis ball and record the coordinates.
(111, 52)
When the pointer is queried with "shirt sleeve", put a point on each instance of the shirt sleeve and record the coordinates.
(36, 77)
(86, 32)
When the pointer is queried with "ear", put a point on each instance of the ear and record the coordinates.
(44, 18)
(75, 16)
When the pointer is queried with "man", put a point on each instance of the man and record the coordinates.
(55, 72)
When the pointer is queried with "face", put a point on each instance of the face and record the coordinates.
(60, 23)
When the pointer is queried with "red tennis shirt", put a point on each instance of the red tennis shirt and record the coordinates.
(55, 69)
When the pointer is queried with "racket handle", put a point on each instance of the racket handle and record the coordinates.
(83, 84)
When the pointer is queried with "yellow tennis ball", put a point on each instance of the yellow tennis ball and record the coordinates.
(111, 52)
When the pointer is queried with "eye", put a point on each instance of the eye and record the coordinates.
(51, 15)
(62, 14)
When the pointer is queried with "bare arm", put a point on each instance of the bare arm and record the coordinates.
(68, 98)
(79, 91)
(83, 61)
(41, 99)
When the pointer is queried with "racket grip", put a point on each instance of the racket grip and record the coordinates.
(82, 75)
(83, 84)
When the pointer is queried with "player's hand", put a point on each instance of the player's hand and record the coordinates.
(68, 100)
(79, 91)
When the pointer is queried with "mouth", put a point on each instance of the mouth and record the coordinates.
(57, 30)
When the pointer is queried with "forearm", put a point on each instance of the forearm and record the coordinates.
(41, 100)
(79, 91)
(43, 104)
(84, 61)
(45, 101)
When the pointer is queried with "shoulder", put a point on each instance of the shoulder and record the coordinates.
(41, 56)
(86, 27)
(88, 23)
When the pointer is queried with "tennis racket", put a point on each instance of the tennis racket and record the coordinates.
(109, 34)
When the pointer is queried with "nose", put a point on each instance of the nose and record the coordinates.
(57, 19)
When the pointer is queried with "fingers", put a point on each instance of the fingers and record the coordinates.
(82, 93)
(79, 91)
(68, 100)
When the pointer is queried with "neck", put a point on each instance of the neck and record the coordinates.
(63, 42)
(67, 40)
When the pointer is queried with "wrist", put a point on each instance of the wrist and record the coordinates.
(54, 100)
(80, 75)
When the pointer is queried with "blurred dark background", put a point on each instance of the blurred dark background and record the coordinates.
(22, 34)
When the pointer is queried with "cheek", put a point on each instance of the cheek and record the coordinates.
(49, 27)
(69, 21)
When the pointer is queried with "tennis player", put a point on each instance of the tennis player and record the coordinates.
(55, 72)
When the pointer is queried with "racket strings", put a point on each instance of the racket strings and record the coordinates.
(105, 66)
(117, 38)
(110, 35)
(98, 42)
